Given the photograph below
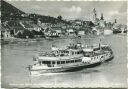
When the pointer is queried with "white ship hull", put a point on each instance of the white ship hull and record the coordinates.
(69, 68)
(71, 59)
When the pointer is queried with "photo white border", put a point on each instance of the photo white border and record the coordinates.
(73, 0)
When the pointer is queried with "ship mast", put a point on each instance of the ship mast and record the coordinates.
(100, 44)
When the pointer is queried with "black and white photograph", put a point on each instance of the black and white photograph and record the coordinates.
(63, 44)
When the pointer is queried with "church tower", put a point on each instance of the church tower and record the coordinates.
(115, 25)
(102, 22)
(102, 17)
(38, 22)
(94, 15)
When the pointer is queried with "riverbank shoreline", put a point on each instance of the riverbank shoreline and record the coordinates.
(19, 40)
(9, 41)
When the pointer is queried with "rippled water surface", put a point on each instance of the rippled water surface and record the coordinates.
(15, 57)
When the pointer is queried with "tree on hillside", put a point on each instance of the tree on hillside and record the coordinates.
(91, 24)
(27, 33)
(59, 17)
(19, 35)
(41, 33)
(37, 33)
(34, 32)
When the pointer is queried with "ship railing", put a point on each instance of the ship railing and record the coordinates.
(52, 54)
(74, 46)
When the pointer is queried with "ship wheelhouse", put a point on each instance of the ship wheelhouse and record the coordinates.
(59, 57)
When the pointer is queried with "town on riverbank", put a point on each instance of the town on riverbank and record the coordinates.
(17, 25)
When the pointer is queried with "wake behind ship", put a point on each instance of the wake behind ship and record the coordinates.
(74, 56)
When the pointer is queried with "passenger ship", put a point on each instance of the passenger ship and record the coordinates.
(71, 58)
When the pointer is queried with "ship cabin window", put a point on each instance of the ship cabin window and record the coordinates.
(67, 61)
(62, 62)
(46, 62)
(58, 62)
(64, 51)
(40, 62)
(92, 58)
(79, 60)
(53, 62)
(72, 53)
(67, 51)
(79, 52)
(88, 54)
(61, 54)
(75, 60)
(72, 61)
(96, 49)
(75, 52)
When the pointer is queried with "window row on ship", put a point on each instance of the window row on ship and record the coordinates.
(60, 62)
(77, 52)
(62, 53)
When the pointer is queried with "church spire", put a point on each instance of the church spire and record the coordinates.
(94, 14)
(102, 17)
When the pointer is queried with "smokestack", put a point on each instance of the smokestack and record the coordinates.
(100, 44)
(115, 20)
(102, 17)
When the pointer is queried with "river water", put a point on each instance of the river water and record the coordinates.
(15, 58)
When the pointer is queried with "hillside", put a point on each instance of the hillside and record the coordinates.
(46, 19)
(9, 11)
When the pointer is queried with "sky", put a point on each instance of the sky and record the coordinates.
(76, 9)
